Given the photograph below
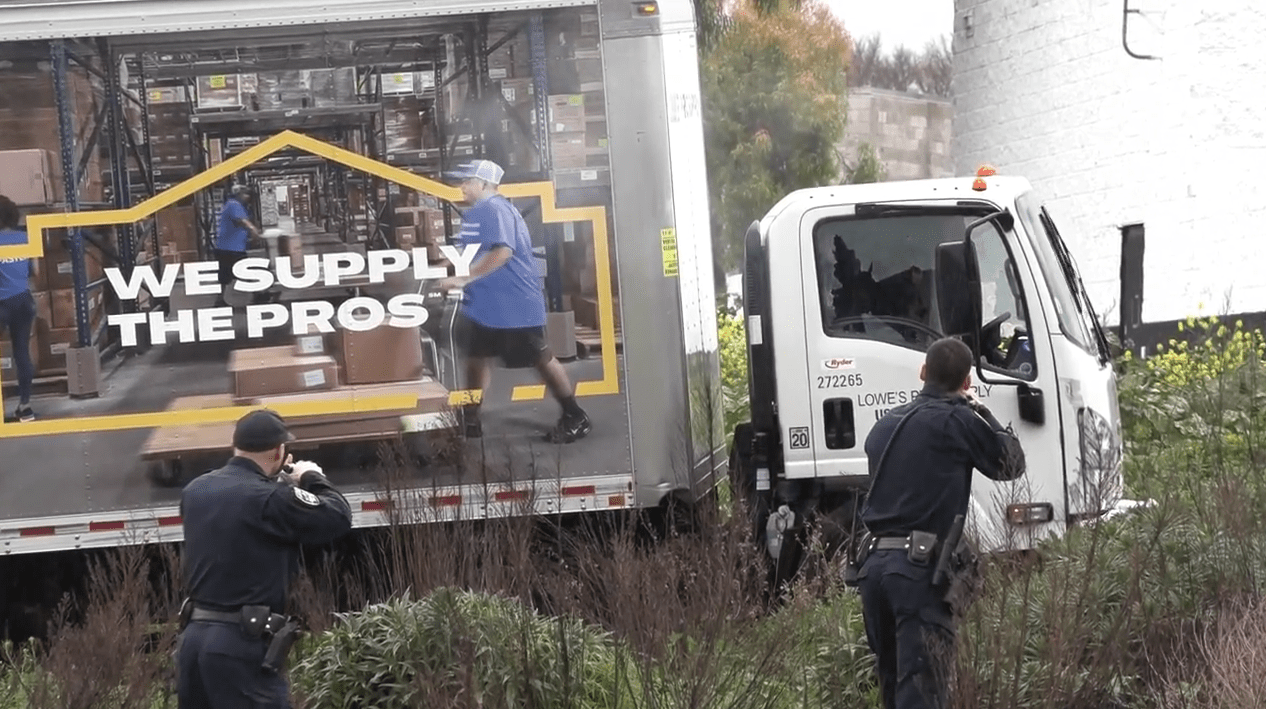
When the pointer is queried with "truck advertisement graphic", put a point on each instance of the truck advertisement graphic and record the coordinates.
(347, 312)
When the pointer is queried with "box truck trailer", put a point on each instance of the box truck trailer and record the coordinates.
(344, 119)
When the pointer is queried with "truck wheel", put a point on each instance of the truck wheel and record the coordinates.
(166, 473)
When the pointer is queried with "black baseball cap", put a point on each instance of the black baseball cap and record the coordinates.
(260, 431)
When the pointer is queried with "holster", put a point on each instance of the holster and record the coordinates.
(279, 647)
(186, 612)
(963, 584)
(853, 567)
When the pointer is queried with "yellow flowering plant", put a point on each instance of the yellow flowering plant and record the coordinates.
(1199, 397)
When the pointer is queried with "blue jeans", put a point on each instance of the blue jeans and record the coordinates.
(910, 628)
(17, 315)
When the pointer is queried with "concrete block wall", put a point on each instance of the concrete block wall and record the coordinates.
(910, 133)
(1046, 90)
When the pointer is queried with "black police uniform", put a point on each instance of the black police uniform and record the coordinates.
(243, 532)
(924, 484)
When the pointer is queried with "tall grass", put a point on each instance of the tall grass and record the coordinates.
(1159, 608)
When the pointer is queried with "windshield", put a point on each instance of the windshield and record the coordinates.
(1072, 304)
(877, 280)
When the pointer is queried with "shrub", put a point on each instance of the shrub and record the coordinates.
(456, 648)
(1195, 411)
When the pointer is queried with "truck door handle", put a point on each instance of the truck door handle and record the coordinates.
(837, 418)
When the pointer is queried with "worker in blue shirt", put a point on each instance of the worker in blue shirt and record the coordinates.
(233, 234)
(503, 310)
(17, 306)
(921, 458)
(244, 524)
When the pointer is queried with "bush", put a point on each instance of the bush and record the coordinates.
(1194, 414)
(457, 647)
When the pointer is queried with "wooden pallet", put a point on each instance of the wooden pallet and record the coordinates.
(50, 384)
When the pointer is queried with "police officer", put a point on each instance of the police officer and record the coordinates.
(243, 526)
(921, 459)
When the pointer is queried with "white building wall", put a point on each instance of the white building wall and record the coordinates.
(1045, 89)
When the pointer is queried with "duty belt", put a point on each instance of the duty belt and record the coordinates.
(216, 616)
(890, 543)
(207, 614)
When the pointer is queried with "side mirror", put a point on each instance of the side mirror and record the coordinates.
(956, 301)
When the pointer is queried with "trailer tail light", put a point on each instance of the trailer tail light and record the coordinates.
(1032, 513)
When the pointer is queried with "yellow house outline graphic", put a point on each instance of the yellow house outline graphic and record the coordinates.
(550, 213)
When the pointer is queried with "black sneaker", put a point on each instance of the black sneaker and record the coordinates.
(24, 413)
(569, 428)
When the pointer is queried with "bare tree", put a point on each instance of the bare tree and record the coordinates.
(936, 68)
(903, 69)
(929, 73)
(867, 66)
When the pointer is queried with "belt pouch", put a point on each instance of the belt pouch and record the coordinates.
(922, 546)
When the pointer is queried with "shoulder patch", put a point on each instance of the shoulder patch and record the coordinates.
(307, 498)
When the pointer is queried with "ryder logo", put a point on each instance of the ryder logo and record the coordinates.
(838, 363)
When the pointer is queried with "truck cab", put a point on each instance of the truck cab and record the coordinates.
(845, 287)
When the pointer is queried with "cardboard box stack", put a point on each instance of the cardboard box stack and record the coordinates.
(53, 284)
(170, 138)
(265, 371)
(28, 122)
(575, 109)
(177, 234)
(422, 226)
(382, 361)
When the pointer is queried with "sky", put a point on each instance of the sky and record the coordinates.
(908, 22)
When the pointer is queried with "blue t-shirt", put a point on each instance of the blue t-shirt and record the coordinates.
(231, 236)
(14, 272)
(509, 297)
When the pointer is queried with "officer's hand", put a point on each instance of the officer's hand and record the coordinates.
(973, 401)
(306, 473)
(302, 466)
